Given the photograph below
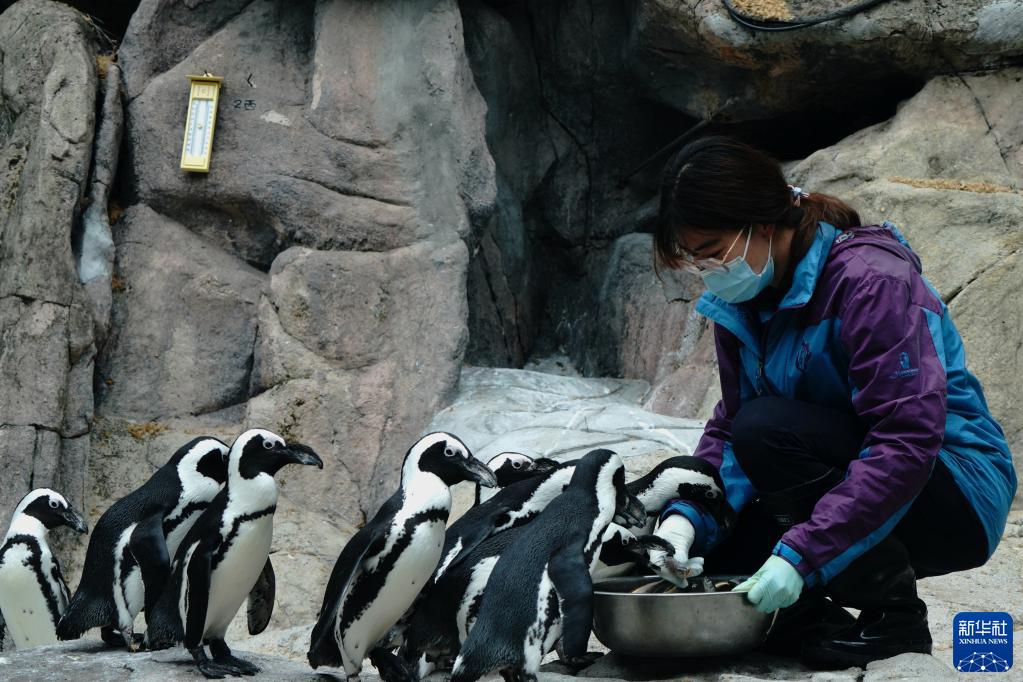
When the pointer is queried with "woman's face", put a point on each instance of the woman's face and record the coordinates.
(729, 244)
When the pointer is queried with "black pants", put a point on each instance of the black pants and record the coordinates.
(780, 443)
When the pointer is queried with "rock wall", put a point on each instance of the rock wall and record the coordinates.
(48, 86)
(399, 188)
(314, 280)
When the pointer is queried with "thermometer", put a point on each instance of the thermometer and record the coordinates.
(202, 117)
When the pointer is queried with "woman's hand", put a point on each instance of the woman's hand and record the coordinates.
(776, 585)
(675, 568)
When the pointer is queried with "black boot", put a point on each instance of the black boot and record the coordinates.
(813, 614)
(893, 619)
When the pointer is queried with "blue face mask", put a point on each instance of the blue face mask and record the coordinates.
(739, 283)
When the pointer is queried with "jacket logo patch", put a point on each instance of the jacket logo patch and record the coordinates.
(904, 369)
(803, 356)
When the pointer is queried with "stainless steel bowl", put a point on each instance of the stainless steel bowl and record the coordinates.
(676, 624)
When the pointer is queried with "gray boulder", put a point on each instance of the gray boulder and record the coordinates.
(183, 323)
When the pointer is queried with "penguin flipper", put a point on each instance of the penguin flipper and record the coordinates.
(64, 596)
(149, 548)
(571, 578)
(324, 648)
(198, 598)
(3, 633)
(261, 600)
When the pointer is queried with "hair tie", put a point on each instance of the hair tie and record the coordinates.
(797, 193)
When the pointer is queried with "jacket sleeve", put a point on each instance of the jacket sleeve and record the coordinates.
(899, 391)
(715, 446)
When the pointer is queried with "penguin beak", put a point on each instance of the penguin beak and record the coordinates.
(632, 514)
(476, 470)
(302, 454)
(74, 520)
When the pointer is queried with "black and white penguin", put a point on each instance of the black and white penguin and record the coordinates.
(682, 477)
(33, 594)
(540, 589)
(382, 569)
(440, 620)
(511, 467)
(225, 556)
(517, 502)
(128, 559)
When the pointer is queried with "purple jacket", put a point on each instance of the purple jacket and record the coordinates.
(860, 330)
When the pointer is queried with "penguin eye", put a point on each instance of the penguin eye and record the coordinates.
(54, 504)
(449, 452)
(268, 444)
(516, 464)
(710, 494)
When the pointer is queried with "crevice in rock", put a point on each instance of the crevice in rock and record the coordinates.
(990, 129)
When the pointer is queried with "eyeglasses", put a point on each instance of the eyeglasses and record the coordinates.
(699, 266)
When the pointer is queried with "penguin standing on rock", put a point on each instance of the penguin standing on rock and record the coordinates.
(540, 588)
(440, 619)
(33, 594)
(128, 560)
(384, 566)
(225, 555)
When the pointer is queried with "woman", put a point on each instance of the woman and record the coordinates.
(853, 443)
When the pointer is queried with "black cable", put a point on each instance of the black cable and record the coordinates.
(789, 25)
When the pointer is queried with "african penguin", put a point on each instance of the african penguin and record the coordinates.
(511, 467)
(540, 588)
(384, 566)
(225, 555)
(33, 594)
(127, 562)
(683, 477)
(439, 621)
(515, 504)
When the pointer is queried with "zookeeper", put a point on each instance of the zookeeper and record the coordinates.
(854, 446)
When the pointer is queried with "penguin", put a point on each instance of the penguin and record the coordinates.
(515, 504)
(541, 588)
(511, 467)
(224, 557)
(448, 606)
(621, 550)
(436, 624)
(127, 562)
(384, 566)
(33, 594)
(683, 477)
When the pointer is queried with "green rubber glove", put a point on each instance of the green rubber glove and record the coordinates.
(776, 585)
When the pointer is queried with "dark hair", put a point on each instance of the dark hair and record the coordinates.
(718, 183)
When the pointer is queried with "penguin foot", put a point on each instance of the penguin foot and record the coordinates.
(111, 636)
(236, 666)
(210, 669)
(584, 661)
(223, 657)
(391, 667)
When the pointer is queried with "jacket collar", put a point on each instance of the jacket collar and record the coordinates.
(741, 319)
